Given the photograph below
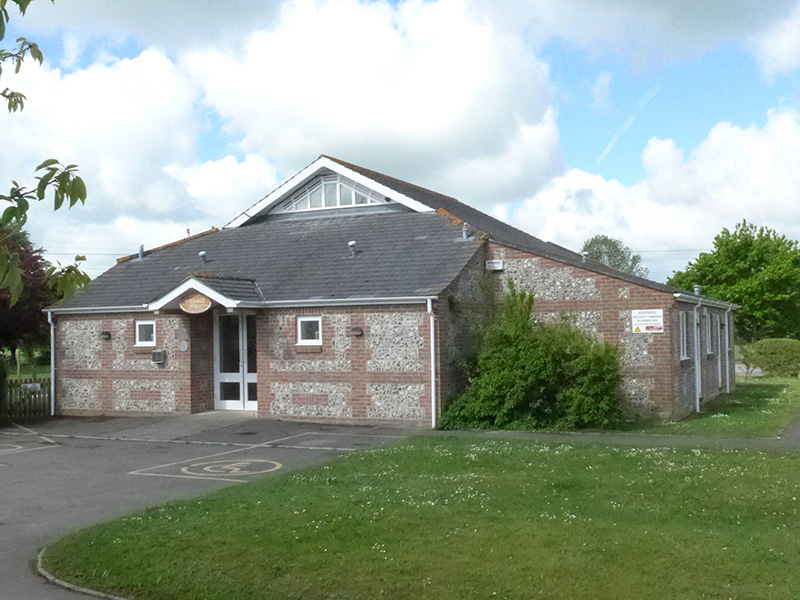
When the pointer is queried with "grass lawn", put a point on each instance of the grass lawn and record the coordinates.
(760, 407)
(468, 516)
(29, 373)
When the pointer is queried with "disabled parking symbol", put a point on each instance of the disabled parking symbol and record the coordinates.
(233, 468)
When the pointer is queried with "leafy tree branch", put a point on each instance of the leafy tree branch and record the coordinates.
(62, 180)
(756, 268)
(612, 252)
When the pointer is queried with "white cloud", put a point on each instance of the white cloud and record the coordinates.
(169, 25)
(121, 123)
(645, 33)
(601, 91)
(449, 94)
(416, 89)
(219, 187)
(778, 48)
(734, 174)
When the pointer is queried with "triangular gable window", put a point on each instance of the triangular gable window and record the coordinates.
(330, 191)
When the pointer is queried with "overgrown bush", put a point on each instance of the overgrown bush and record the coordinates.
(779, 357)
(532, 374)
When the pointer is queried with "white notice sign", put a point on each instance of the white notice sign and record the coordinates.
(647, 321)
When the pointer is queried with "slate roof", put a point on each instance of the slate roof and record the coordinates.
(498, 231)
(305, 257)
(239, 288)
(402, 254)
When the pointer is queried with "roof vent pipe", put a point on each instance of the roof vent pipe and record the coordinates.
(696, 290)
(583, 256)
(352, 245)
(141, 251)
(465, 231)
(202, 255)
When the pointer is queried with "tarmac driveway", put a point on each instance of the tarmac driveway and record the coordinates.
(67, 473)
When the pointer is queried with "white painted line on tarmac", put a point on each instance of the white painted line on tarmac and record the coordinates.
(245, 447)
(187, 477)
(269, 444)
(20, 451)
(32, 432)
(399, 437)
(312, 448)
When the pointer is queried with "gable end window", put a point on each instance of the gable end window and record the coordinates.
(330, 191)
(309, 331)
(146, 333)
(684, 337)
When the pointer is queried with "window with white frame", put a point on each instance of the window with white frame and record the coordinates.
(331, 191)
(709, 346)
(684, 318)
(309, 331)
(146, 333)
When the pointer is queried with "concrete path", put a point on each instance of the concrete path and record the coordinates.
(68, 473)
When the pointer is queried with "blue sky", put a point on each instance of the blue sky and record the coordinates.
(690, 97)
(658, 123)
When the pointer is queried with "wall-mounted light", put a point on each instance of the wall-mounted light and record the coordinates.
(106, 335)
(356, 331)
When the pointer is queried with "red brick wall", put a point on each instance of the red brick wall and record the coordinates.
(106, 376)
(656, 381)
(714, 380)
(382, 375)
(201, 348)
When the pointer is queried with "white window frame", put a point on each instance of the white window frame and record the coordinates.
(709, 344)
(684, 326)
(302, 198)
(139, 343)
(300, 340)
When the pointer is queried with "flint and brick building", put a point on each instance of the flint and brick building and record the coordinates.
(346, 295)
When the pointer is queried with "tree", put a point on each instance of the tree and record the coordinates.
(53, 176)
(612, 252)
(23, 323)
(534, 374)
(759, 270)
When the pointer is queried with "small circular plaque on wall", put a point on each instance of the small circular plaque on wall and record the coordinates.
(183, 346)
(195, 304)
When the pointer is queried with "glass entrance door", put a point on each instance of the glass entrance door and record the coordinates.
(235, 376)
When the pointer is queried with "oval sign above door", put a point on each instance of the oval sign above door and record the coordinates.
(195, 304)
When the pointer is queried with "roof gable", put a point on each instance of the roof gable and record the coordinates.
(321, 167)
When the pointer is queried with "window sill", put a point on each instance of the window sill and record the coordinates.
(308, 349)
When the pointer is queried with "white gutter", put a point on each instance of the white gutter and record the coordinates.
(269, 304)
(703, 301)
(341, 302)
(52, 363)
(433, 362)
(99, 309)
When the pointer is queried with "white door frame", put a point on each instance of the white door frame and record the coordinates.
(241, 377)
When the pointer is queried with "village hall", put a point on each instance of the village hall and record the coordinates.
(345, 296)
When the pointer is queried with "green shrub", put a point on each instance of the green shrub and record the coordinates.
(779, 357)
(532, 374)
